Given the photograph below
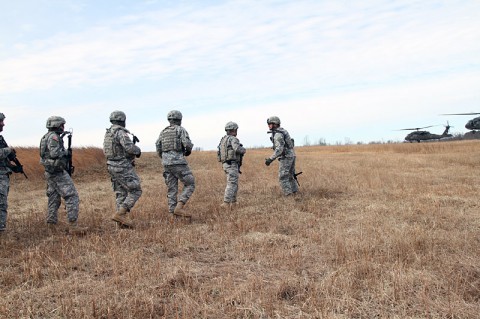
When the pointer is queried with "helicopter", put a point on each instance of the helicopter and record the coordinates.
(472, 125)
(418, 135)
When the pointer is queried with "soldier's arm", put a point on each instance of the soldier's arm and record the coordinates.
(186, 142)
(127, 143)
(237, 147)
(158, 145)
(55, 147)
(279, 146)
(4, 152)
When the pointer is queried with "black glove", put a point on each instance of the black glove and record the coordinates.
(139, 154)
(17, 169)
(268, 161)
(187, 152)
(12, 154)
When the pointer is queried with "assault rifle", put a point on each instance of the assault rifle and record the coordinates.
(240, 162)
(135, 138)
(70, 168)
(12, 157)
(295, 177)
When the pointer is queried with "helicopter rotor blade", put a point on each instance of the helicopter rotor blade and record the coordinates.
(461, 114)
(415, 128)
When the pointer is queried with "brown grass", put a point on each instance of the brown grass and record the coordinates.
(379, 231)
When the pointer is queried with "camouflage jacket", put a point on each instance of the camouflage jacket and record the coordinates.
(53, 155)
(283, 144)
(4, 161)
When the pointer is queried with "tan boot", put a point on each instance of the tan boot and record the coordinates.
(123, 219)
(228, 205)
(74, 229)
(180, 211)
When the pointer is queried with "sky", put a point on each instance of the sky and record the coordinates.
(332, 71)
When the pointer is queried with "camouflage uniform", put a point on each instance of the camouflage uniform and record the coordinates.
(283, 147)
(172, 146)
(230, 153)
(5, 172)
(53, 156)
(120, 152)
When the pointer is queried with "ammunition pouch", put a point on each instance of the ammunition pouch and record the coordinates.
(55, 165)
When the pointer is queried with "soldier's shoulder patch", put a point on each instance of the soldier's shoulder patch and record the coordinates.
(55, 138)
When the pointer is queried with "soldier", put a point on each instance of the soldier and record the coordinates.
(120, 152)
(54, 158)
(283, 150)
(173, 145)
(6, 154)
(230, 154)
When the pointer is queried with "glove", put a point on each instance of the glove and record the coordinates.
(12, 154)
(268, 161)
(17, 169)
(139, 154)
(187, 152)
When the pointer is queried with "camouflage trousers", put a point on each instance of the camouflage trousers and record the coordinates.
(231, 171)
(60, 185)
(126, 185)
(4, 188)
(286, 171)
(172, 174)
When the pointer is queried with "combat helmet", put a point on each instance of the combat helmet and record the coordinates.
(117, 116)
(2, 116)
(231, 126)
(273, 120)
(174, 115)
(55, 122)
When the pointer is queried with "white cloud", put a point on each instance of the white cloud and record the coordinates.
(247, 60)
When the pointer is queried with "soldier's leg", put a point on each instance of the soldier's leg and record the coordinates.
(4, 188)
(172, 189)
(231, 171)
(54, 199)
(68, 192)
(134, 190)
(119, 190)
(186, 177)
(293, 182)
(284, 175)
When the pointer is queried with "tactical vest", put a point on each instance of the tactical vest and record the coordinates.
(44, 152)
(171, 140)
(113, 150)
(51, 165)
(225, 150)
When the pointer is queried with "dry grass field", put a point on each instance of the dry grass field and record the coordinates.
(379, 231)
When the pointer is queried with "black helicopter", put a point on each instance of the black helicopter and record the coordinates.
(472, 125)
(418, 135)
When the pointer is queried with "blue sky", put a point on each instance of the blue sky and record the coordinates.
(333, 70)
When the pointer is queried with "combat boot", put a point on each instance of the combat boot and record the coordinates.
(123, 219)
(228, 205)
(180, 211)
(74, 229)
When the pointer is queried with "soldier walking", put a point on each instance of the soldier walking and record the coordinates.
(6, 154)
(283, 150)
(230, 154)
(173, 145)
(54, 158)
(121, 152)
